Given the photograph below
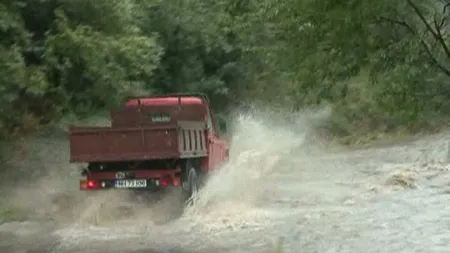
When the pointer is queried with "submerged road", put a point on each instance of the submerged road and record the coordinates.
(390, 199)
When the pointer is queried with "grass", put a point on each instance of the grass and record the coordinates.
(9, 213)
(378, 139)
(278, 246)
(375, 139)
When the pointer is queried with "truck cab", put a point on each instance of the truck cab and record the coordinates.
(152, 142)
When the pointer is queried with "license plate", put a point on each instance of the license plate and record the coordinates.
(131, 183)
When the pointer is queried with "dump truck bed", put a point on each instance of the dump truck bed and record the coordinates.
(184, 139)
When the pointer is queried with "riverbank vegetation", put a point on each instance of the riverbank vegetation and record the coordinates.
(382, 66)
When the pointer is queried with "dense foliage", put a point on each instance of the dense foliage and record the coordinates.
(380, 64)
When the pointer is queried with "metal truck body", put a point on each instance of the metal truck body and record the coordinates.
(153, 142)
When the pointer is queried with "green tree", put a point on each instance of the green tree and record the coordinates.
(61, 57)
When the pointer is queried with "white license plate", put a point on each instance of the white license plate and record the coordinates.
(131, 183)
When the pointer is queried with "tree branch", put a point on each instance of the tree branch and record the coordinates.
(438, 26)
(423, 19)
(433, 60)
(397, 22)
(436, 34)
(446, 5)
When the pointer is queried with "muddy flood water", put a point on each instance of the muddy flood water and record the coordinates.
(274, 193)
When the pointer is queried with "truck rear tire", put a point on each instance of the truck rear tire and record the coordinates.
(190, 185)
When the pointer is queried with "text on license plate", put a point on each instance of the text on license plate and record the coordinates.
(131, 183)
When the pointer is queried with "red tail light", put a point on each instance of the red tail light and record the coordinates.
(166, 181)
(89, 184)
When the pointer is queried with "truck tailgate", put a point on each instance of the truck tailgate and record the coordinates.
(90, 144)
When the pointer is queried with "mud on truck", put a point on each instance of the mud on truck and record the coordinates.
(152, 143)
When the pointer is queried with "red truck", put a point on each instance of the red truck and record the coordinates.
(153, 142)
